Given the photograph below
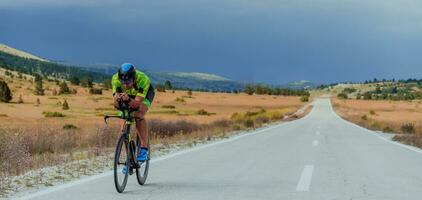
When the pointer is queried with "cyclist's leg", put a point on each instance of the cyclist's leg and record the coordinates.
(143, 109)
(141, 125)
(122, 125)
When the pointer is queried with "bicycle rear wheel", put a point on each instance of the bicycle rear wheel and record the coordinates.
(121, 161)
(142, 171)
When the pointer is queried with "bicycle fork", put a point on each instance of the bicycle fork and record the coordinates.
(131, 147)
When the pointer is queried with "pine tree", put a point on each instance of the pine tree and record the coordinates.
(64, 89)
(39, 89)
(5, 93)
(87, 82)
(168, 85)
(65, 105)
(74, 80)
(249, 89)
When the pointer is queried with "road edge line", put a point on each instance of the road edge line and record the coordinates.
(408, 147)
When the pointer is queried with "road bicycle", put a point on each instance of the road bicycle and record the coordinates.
(126, 152)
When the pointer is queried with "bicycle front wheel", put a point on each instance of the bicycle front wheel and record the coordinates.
(142, 171)
(121, 164)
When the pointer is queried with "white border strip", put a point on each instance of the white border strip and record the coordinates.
(411, 148)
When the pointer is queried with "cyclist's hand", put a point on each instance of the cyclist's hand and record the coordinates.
(125, 97)
(118, 96)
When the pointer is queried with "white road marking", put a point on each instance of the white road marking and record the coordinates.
(315, 143)
(318, 133)
(305, 179)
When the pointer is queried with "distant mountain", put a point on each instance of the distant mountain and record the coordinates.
(31, 65)
(24, 62)
(16, 52)
(303, 84)
(195, 80)
(192, 80)
(17, 60)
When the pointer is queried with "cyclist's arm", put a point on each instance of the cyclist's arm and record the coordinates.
(143, 84)
(117, 98)
(136, 102)
(117, 91)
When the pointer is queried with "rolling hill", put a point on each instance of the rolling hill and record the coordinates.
(17, 60)
(16, 52)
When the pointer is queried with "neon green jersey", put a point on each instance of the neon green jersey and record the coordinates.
(141, 86)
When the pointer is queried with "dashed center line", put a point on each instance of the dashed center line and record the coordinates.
(305, 179)
(315, 143)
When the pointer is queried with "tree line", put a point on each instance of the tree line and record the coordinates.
(265, 89)
(47, 69)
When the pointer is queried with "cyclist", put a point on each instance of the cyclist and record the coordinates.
(134, 88)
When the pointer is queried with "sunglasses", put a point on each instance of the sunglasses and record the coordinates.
(126, 82)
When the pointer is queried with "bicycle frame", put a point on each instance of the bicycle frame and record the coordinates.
(126, 141)
(127, 115)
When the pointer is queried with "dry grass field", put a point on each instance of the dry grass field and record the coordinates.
(403, 117)
(86, 110)
(30, 140)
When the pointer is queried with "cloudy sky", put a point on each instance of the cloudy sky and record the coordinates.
(273, 41)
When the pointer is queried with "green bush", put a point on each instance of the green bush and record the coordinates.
(372, 112)
(364, 117)
(342, 96)
(262, 119)
(69, 126)
(202, 112)
(95, 91)
(408, 128)
(304, 98)
(160, 88)
(52, 114)
(249, 123)
(349, 90)
(253, 113)
(168, 106)
(180, 99)
(387, 129)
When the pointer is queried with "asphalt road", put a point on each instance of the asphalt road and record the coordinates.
(318, 157)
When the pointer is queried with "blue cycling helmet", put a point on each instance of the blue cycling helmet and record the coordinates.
(127, 72)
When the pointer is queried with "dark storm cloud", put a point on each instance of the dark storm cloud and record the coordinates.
(269, 41)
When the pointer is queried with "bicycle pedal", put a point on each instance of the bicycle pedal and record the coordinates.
(131, 171)
(138, 165)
